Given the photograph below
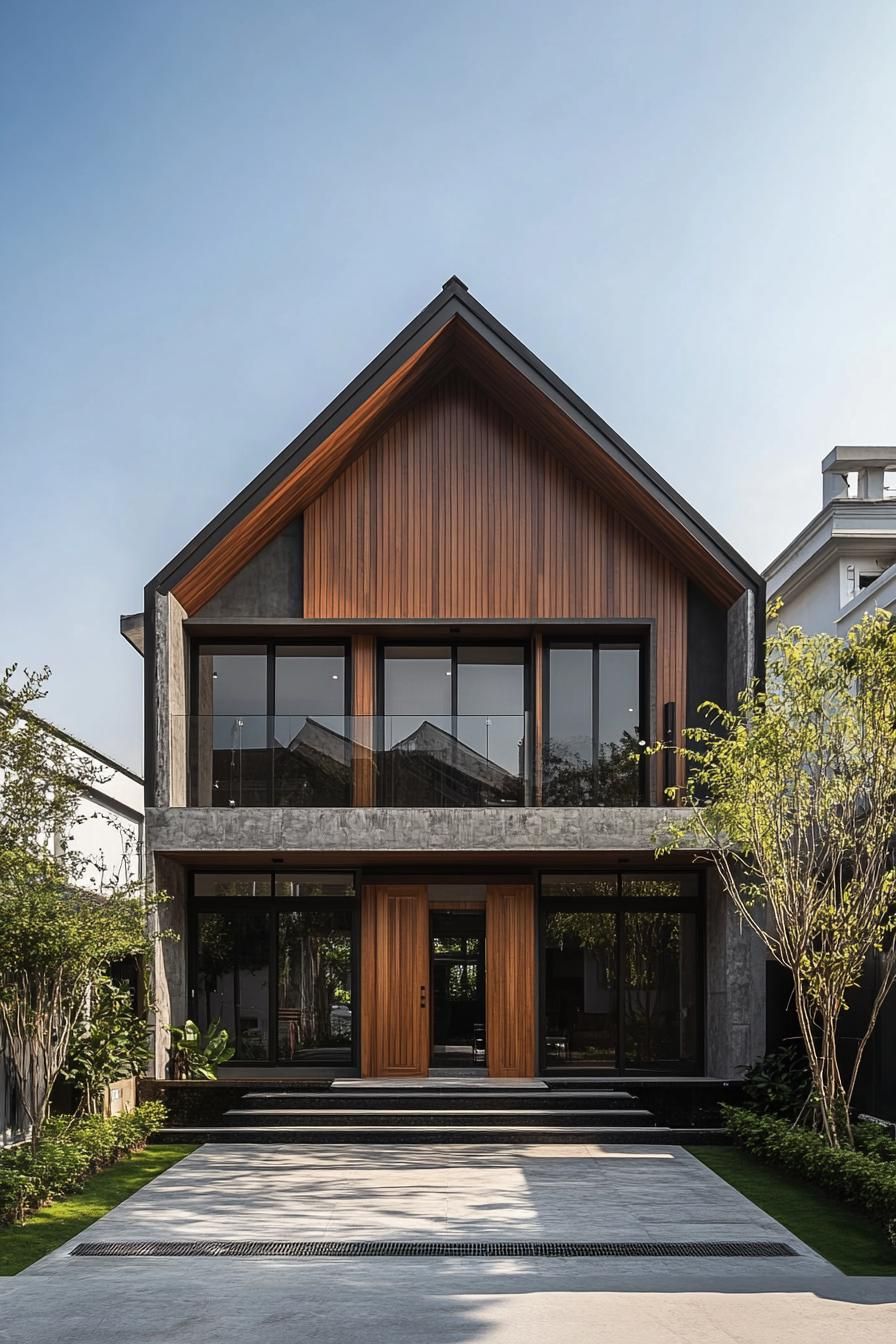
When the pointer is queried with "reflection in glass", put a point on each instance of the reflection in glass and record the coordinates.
(569, 746)
(659, 991)
(230, 749)
(581, 1013)
(619, 698)
(454, 730)
(312, 754)
(588, 762)
(232, 981)
(314, 986)
(491, 706)
(457, 946)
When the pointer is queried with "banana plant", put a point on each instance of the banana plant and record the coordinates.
(197, 1054)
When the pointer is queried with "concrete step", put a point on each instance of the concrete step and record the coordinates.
(429, 1117)
(422, 1134)
(426, 1100)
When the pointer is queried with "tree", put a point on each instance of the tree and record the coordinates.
(60, 924)
(794, 797)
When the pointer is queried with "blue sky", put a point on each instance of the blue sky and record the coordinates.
(216, 212)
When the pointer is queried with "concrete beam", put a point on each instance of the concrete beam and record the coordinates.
(392, 830)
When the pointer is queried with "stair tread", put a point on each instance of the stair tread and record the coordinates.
(417, 1129)
(538, 1099)
(427, 1110)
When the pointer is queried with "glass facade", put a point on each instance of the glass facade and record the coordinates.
(622, 974)
(274, 958)
(454, 727)
(270, 726)
(593, 733)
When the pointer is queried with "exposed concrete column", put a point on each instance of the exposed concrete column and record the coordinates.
(170, 702)
(735, 988)
(170, 959)
(742, 635)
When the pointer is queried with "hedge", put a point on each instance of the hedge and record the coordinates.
(69, 1152)
(860, 1178)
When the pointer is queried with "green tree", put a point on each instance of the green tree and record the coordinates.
(793, 796)
(63, 917)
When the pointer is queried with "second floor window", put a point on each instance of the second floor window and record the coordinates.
(454, 729)
(593, 728)
(269, 726)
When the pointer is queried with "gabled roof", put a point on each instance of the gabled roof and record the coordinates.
(453, 330)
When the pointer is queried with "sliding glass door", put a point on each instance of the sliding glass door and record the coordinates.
(454, 725)
(593, 733)
(274, 958)
(621, 974)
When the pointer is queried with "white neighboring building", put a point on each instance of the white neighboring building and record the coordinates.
(110, 832)
(840, 566)
(843, 563)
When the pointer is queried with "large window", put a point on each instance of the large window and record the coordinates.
(269, 726)
(594, 732)
(622, 973)
(274, 958)
(454, 726)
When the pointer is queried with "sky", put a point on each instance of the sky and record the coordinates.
(216, 213)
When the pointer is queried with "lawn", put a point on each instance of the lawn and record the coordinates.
(841, 1234)
(50, 1227)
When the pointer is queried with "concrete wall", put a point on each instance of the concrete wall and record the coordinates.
(268, 585)
(735, 987)
(170, 705)
(741, 642)
(169, 988)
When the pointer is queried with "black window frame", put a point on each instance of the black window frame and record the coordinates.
(269, 646)
(272, 905)
(455, 642)
(638, 638)
(620, 905)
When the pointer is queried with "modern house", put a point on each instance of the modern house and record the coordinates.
(396, 695)
(109, 835)
(840, 566)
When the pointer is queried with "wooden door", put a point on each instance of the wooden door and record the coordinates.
(510, 1010)
(394, 982)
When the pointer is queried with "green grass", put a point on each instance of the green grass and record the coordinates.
(841, 1234)
(50, 1227)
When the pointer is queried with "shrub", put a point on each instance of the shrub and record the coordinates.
(854, 1177)
(871, 1139)
(68, 1152)
(779, 1083)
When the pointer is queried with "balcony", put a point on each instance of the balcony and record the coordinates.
(358, 761)
(401, 761)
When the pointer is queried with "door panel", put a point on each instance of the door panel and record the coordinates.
(395, 982)
(510, 981)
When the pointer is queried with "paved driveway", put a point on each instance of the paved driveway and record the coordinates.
(490, 1193)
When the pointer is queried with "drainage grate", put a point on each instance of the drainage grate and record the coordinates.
(484, 1249)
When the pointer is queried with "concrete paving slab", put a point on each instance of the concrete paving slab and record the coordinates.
(572, 1192)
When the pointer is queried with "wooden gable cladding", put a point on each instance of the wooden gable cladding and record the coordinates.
(455, 511)
(291, 495)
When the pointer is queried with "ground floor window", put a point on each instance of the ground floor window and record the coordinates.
(274, 958)
(621, 973)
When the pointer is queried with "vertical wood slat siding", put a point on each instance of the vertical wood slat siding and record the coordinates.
(362, 734)
(394, 966)
(456, 512)
(510, 981)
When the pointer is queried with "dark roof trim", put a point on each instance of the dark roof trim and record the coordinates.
(83, 746)
(454, 301)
